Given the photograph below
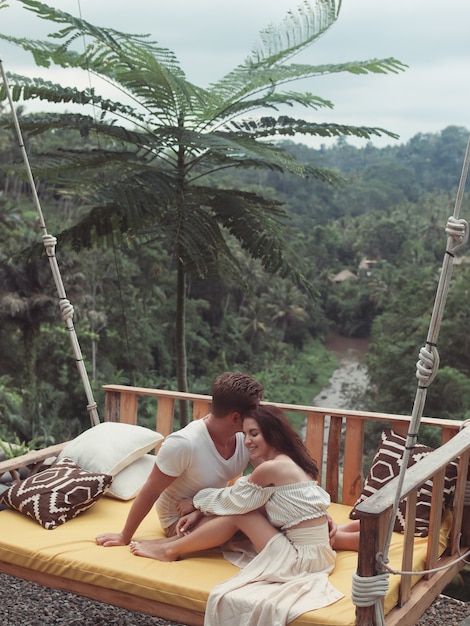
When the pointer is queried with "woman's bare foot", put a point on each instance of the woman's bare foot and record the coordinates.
(157, 549)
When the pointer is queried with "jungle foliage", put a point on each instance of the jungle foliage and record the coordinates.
(124, 296)
(160, 139)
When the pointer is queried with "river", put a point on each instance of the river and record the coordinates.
(350, 379)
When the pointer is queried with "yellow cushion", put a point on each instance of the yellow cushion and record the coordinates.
(70, 551)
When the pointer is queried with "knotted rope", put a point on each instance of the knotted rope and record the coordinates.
(369, 591)
(457, 231)
(50, 242)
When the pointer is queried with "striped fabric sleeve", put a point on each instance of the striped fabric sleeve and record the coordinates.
(242, 497)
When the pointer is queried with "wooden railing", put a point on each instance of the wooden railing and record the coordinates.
(339, 431)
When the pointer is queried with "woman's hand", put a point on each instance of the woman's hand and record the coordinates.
(332, 529)
(187, 523)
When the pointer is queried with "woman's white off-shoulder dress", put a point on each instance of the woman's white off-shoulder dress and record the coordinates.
(290, 575)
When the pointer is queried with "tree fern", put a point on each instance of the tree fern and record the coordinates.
(144, 174)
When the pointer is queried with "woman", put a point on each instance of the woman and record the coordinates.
(283, 511)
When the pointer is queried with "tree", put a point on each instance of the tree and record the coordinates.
(146, 179)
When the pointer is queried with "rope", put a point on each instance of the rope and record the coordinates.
(50, 242)
(369, 591)
(457, 231)
(434, 570)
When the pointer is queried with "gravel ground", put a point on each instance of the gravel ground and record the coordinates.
(29, 604)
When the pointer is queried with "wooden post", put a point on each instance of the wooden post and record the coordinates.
(373, 530)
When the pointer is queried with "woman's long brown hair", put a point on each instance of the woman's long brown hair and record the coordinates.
(279, 433)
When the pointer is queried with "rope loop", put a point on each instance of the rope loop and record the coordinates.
(457, 229)
(49, 242)
(66, 309)
(427, 366)
(367, 590)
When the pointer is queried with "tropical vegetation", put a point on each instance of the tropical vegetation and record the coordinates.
(124, 297)
(146, 173)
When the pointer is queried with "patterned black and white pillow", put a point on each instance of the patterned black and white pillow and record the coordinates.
(56, 494)
(386, 466)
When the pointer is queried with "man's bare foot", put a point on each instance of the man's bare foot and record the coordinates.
(154, 549)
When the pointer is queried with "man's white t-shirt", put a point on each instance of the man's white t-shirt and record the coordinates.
(191, 455)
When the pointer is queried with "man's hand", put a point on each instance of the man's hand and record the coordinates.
(185, 506)
(111, 539)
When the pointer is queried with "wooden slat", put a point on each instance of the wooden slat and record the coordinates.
(165, 415)
(200, 409)
(459, 497)
(333, 458)
(109, 596)
(112, 406)
(446, 434)
(31, 458)
(353, 453)
(408, 544)
(128, 408)
(423, 595)
(314, 439)
(400, 427)
(435, 520)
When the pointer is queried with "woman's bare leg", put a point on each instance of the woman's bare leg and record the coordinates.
(347, 536)
(214, 532)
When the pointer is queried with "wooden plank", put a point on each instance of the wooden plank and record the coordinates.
(157, 393)
(128, 409)
(459, 499)
(108, 596)
(112, 406)
(201, 408)
(333, 458)
(423, 595)
(314, 439)
(462, 485)
(31, 458)
(372, 535)
(400, 427)
(353, 453)
(408, 543)
(165, 415)
(435, 520)
(447, 434)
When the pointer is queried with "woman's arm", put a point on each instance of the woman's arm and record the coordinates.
(242, 497)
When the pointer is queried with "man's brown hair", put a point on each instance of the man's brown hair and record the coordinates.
(234, 391)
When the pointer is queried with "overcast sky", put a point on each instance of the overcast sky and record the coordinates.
(211, 37)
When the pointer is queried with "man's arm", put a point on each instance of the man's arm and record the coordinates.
(156, 483)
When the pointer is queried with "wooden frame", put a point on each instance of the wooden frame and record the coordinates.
(336, 440)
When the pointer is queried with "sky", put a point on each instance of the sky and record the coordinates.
(211, 37)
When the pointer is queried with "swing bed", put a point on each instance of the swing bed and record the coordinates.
(392, 579)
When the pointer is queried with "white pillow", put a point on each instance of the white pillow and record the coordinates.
(129, 481)
(110, 447)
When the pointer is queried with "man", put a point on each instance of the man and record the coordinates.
(206, 453)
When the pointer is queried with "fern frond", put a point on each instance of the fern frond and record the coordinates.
(288, 126)
(298, 30)
(25, 88)
(242, 85)
(259, 229)
(235, 149)
(150, 73)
